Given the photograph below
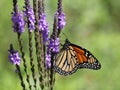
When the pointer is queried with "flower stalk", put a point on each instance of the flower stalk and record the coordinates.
(37, 43)
(19, 28)
(15, 59)
(29, 14)
(21, 77)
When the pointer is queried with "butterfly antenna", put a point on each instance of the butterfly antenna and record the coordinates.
(61, 44)
(64, 35)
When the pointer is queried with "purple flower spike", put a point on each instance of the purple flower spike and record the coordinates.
(61, 21)
(30, 16)
(43, 26)
(53, 45)
(48, 61)
(14, 56)
(18, 22)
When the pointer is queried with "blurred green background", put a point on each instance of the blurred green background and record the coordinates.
(93, 24)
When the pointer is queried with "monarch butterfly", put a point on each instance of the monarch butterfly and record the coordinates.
(72, 57)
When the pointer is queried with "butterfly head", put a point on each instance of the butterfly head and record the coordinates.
(66, 44)
(67, 41)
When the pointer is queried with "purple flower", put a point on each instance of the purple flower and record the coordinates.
(14, 56)
(30, 16)
(48, 61)
(61, 20)
(43, 26)
(53, 47)
(18, 22)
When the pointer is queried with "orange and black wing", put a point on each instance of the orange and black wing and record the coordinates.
(86, 58)
(71, 57)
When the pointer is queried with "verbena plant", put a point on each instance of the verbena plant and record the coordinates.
(39, 72)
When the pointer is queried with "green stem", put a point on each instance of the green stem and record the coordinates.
(38, 44)
(24, 60)
(20, 76)
(31, 59)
